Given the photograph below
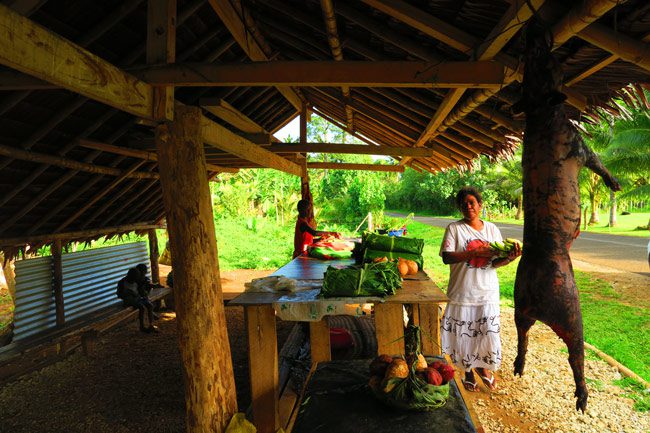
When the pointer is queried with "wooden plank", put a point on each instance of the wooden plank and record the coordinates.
(161, 48)
(319, 340)
(365, 167)
(480, 74)
(57, 281)
(240, 30)
(142, 154)
(74, 235)
(34, 50)
(389, 325)
(221, 138)
(458, 376)
(583, 14)
(210, 395)
(226, 112)
(355, 149)
(263, 367)
(429, 321)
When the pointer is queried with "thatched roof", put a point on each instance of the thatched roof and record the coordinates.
(77, 167)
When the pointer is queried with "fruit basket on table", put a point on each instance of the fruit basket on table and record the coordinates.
(410, 382)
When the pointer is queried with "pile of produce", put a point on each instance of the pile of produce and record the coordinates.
(502, 249)
(410, 383)
(393, 248)
(369, 279)
(329, 248)
(404, 266)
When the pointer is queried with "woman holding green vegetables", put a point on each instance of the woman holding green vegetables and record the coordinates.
(471, 324)
(304, 232)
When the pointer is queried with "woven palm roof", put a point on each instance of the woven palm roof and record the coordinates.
(74, 167)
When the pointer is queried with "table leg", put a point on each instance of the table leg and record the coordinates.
(319, 340)
(429, 318)
(389, 327)
(263, 367)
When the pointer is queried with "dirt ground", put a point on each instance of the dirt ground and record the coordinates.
(133, 382)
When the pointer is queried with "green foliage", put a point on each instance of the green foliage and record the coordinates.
(637, 392)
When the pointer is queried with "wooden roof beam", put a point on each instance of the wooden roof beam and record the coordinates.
(365, 167)
(578, 18)
(161, 48)
(32, 49)
(625, 47)
(337, 52)
(356, 149)
(140, 154)
(218, 136)
(229, 114)
(240, 30)
(482, 74)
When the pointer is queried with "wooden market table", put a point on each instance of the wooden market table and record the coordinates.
(418, 291)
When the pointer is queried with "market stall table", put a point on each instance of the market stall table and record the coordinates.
(418, 291)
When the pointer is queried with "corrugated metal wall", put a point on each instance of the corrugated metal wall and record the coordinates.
(34, 310)
(89, 283)
(90, 277)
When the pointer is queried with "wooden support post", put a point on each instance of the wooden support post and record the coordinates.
(153, 256)
(389, 326)
(319, 340)
(303, 125)
(263, 368)
(429, 321)
(57, 281)
(210, 396)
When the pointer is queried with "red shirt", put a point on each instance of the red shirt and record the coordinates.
(301, 239)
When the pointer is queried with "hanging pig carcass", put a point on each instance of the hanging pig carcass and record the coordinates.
(553, 154)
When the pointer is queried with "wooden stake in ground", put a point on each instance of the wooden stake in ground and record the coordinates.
(210, 394)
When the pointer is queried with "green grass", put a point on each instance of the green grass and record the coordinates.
(637, 392)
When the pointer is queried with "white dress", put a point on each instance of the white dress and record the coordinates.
(470, 328)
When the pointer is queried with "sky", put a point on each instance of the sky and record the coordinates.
(292, 128)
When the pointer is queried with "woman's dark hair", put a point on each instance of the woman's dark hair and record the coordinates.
(464, 192)
(133, 275)
(303, 205)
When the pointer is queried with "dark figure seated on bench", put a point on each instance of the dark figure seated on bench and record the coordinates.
(134, 290)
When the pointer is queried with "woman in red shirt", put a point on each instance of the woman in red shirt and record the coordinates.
(305, 231)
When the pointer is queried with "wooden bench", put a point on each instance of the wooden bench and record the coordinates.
(48, 347)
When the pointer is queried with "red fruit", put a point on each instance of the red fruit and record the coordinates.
(437, 365)
(433, 376)
(447, 373)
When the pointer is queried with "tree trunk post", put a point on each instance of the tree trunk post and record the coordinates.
(210, 395)
(612, 208)
(153, 256)
(57, 281)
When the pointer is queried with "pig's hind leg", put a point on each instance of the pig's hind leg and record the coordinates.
(571, 333)
(523, 324)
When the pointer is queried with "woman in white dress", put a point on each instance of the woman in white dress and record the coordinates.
(471, 324)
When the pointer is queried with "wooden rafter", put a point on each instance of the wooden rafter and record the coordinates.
(485, 74)
(625, 47)
(226, 112)
(357, 149)
(240, 31)
(80, 234)
(343, 166)
(221, 138)
(582, 15)
(58, 161)
(32, 49)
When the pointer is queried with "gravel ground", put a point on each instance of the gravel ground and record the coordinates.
(542, 399)
(133, 384)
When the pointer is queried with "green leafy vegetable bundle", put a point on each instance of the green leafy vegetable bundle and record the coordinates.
(374, 241)
(370, 254)
(369, 279)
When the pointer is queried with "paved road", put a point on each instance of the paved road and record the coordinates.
(625, 253)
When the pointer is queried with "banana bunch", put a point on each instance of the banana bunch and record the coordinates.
(502, 249)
